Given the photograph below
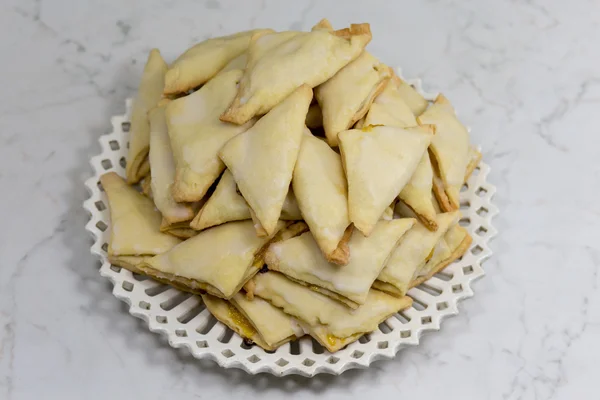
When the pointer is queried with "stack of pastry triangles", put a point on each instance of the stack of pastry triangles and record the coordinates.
(292, 180)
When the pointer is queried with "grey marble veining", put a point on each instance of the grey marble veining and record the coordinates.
(524, 74)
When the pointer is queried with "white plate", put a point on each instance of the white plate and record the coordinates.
(187, 323)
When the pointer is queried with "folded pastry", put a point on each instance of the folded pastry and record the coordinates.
(411, 254)
(262, 159)
(452, 246)
(474, 158)
(237, 63)
(231, 316)
(218, 260)
(449, 148)
(332, 324)
(415, 101)
(301, 260)
(379, 161)
(224, 205)
(163, 170)
(273, 76)
(181, 230)
(149, 93)
(197, 135)
(347, 96)
(146, 185)
(273, 325)
(134, 224)
(321, 190)
(389, 108)
(200, 63)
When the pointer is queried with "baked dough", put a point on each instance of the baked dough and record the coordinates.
(322, 194)
(347, 96)
(200, 63)
(379, 161)
(412, 253)
(134, 224)
(149, 93)
(197, 135)
(456, 242)
(301, 259)
(262, 159)
(273, 325)
(309, 58)
(449, 148)
(390, 109)
(162, 168)
(415, 101)
(332, 324)
(224, 205)
(218, 260)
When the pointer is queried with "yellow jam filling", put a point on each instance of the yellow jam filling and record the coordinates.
(241, 322)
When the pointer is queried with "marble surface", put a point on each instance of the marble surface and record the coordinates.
(524, 75)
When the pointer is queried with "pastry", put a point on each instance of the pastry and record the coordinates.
(347, 96)
(200, 63)
(197, 135)
(453, 245)
(369, 155)
(301, 260)
(217, 260)
(415, 101)
(295, 62)
(225, 312)
(163, 170)
(449, 148)
(224, 205)
(134, 224)
(273, 325)
(390, 109)
(149, 93)
(262, 159)
(413, 251)
(332, 324)
(321, 190)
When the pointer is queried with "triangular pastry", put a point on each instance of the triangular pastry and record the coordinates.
(217, 260)
(226, 312)
(415, 101)
(417, 193)
(237, 63)
(163, 170)
(332, 324)
(452, 246)
(449, 148)
(224, 205)
(273, 325)
(289, 212)
(197, 135)
(390, 109)
(321, 191)
(149, 93)
(281, 69)
(134, 223)
(301, 260)
(262, 159)
(413, 251)
(200, 63)
(347, 96)
(379, 161)
(474, 158)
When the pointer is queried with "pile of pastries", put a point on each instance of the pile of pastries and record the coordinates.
(292, 180)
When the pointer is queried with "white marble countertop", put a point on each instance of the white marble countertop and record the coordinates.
(525, 76)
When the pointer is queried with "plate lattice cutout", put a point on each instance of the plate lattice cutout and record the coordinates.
(185, 321)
